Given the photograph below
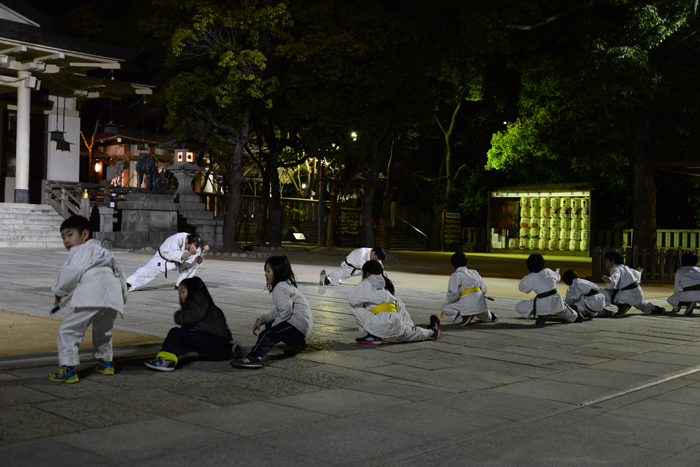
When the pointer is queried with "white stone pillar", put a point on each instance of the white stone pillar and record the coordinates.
(24, 110)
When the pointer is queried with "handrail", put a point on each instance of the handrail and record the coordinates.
(412, 226)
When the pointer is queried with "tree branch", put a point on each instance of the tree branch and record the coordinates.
(530, 27)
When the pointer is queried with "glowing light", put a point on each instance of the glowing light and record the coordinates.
(98, 166)
(303, 186)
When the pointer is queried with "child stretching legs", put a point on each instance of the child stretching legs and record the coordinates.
(291, 320)
(466, 294)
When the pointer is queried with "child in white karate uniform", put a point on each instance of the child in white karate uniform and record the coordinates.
(686, 289)
(623, 287)
(95, 284)
(466, 294)
(583, 296)
(180, 251)
(352, 266)
(381, 314)
(548, 302)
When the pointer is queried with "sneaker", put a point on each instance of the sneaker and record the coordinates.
(466, 320)
(322, 278)
(160, 364)
(542, 319)
(494, 318)
(689, 309)
(435, 326)
(581, 318)
(235, 351)
(106, 368)
(293, 350)
(369, 339)
(67, 374)
(247, 362)
(128, 287)
(658, 310)
(622, 309)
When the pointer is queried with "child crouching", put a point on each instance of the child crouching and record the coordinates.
(466, 294)
(623, 287)
(381, 314)
(583, 296)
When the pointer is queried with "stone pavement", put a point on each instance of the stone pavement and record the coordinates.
(620, 391)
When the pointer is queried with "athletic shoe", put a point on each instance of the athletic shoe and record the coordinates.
(542, 319)
(622, 309)
(435, 326)
(658, 310)
(322, 278)
(235, 351)
(293, 350)
(369, 339)
(160, 364)
(247, 362)
(67, 374)
(689, 309)
(494, 318)
(128, 287)
(466, 320)
(581, 318)
(106, 368)
(326, 281)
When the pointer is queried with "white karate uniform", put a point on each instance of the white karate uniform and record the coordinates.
(620, 277)
(541, 282)
(171, 250)
(398, 325)
(685, 277)
(576, 295)
(98, 286)
(352, 266)
(468, 304)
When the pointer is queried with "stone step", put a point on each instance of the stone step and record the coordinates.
(197, 215)
(22, 244)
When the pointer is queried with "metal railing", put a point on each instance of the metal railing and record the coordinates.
(412, 230)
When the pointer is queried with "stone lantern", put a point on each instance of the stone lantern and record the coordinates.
(185, 168)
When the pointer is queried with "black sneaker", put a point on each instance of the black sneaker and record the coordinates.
(293, 350)
(494, 318)
(466, 320)
(658, 310)
(581, 318)
(128, 287)
(435, 326)
(541, 319)
(369, 339)
(247, 362)
(235, 351)
(160, 364)
(326, 281)
(622, 309)
(689, 309)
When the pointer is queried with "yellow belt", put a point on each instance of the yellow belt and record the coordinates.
(472, 290)
(384, 307)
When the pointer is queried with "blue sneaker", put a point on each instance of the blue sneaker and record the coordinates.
(106, 368)
(160, 364)
(67, 374)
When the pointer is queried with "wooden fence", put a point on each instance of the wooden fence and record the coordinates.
(665, 238)
(658, 265)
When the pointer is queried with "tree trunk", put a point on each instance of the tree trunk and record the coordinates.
(275, 201)
(234, 203)
(367, 231)
(330, 238)
(262, 208)
(644, 184)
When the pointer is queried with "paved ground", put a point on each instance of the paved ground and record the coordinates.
(608, 392)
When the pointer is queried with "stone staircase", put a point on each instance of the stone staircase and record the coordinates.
(195, 214)
(399, 240)
(29, 226)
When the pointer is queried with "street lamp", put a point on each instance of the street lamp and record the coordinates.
(354, 136)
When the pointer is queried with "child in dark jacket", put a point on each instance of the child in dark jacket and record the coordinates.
(204, 329)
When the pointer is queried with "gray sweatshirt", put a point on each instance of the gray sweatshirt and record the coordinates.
(291, 306)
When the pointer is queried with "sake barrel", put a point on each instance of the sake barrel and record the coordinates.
(524, 232)
(544, 203)
(575, 224)
(513, 244)
(575, 203)
(585, 203)
(534, 212)
(564, 203)
(524, 202)
(584, 235)
(575, 213)
(534, 202)
(544, 222)
(534, 232)
(564, 234)
(554, 223)
(544, 233)
(524, 222)
(583, 245)
(585, 224)
(522, 243)
(532, 244)
(573, 245)
(565, 213)
(553, 244)
(542, 244)
(544, 211)
(574, 234)
(563, 245)
(584, 213)
(554, 202)
(553, 212)
(535, 222)
(564, 223)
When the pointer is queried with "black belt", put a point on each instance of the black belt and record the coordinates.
(541, 295)
(166, 262)
(353, 267)
(592, 292)
(631, 286)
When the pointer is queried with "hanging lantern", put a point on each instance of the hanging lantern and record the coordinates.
(143, 146)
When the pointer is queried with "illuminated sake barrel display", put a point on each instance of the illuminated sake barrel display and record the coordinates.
(564, 224)
(584, 235)
(513, 243)
(554, 202)
(524, 232)
(575, 213)
(544, 211)
(535, 222)
(565, 213)
(544, 233)
(544, 222)
(575, 235)
(532, 244)
(585, 203)
(575, 203)
(573, 245)
(583, 246)
(554, 223)
(534, 202)
(564, 234)
(542, 244)
(584, 213)
(554, 234)
(522, 243)
(534, 212)
(554, 213)
(585, 224)
(575, 224)
(553, 244)
(534, 232)
(563, 245)
(524, 222)
(524, 202)
(564, 203)
(525, 212)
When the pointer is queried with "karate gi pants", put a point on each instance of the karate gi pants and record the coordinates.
(151, 270)
(453, 310)
(342, 273)
(525, 308)
(405, 333)
(632, 297)
(73, 328)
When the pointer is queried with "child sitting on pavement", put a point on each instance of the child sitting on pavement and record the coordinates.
(623, 287)
(291, 320)
(352, 266)
(95, 284)
(466, 294)
(204, 329)
(381, 314)
(548, 302)
(686, 288)
(583, 296)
